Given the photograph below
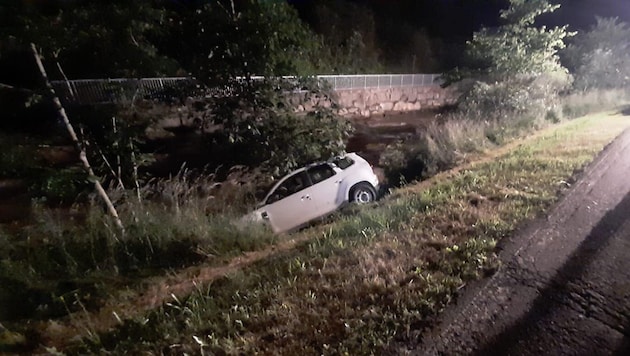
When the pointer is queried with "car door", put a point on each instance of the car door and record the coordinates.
(324, 192)
(290, 204)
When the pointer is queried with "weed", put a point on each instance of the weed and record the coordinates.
(179, 226)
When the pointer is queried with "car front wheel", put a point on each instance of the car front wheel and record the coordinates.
(362, 193)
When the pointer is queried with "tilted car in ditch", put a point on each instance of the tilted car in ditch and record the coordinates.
(315, 191)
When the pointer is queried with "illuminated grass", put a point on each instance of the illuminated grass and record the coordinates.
(380, 274)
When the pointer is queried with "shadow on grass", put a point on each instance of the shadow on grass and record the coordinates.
(508, 342)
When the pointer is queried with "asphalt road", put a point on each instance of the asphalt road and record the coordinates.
(564, 287)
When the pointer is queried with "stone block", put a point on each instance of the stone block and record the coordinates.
(387, 106)
(395, 94)
(400, 106)
(359, 104)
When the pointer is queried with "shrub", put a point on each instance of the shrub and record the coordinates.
(534, 97)
(599, 57)
(439, 148)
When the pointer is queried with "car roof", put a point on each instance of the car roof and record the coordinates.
(317, 163)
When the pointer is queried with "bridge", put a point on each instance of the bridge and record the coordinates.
(361, 94)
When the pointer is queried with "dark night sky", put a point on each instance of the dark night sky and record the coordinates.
(457, 19)
(580, 14)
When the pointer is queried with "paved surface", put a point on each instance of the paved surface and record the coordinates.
(564, 288)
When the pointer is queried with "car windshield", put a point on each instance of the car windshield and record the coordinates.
(343, 162)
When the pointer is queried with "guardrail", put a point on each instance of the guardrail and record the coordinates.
(90, 91)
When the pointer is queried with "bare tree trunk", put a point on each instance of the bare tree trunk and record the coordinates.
(118, 159)
(65, 78)
(77, 144)
(135, 171)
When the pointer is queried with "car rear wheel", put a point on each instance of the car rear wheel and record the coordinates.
(362, 193)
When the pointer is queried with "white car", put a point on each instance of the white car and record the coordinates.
(316, 190)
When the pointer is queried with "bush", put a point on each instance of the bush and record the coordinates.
(23, 160)
(534, 97)
(442, 146)
(599, 57)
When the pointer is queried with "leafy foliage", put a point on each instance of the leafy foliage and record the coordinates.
(91, 39)
(243, 49)
(515, 68)
(260, 121)
(600, 58)
(349, 46)
(517, 48)
(220, 40)
(112, 135)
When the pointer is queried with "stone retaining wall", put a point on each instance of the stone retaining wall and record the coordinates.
(352, 103)
(371, 101)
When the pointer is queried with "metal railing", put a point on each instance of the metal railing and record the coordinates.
(365, 81)
(88, 91)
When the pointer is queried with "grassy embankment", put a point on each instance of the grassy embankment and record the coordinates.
(379, 274)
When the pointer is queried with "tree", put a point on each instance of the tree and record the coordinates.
(225, 44)
(349, 46)
(600, 58)
(90, 39)
(514, 68)
(517, 48)
(220, 40)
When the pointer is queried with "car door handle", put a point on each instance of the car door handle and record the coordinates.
(306, 197)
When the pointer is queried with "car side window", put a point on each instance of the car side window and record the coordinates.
(320, 173)
(290, 186)
(343, 162)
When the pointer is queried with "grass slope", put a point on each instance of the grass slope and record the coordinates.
(377, 274)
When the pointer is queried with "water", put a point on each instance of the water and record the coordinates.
(373, 134)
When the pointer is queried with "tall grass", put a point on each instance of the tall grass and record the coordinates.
(178, 222)
(376, 275)
(582, 103)
(449, 140)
